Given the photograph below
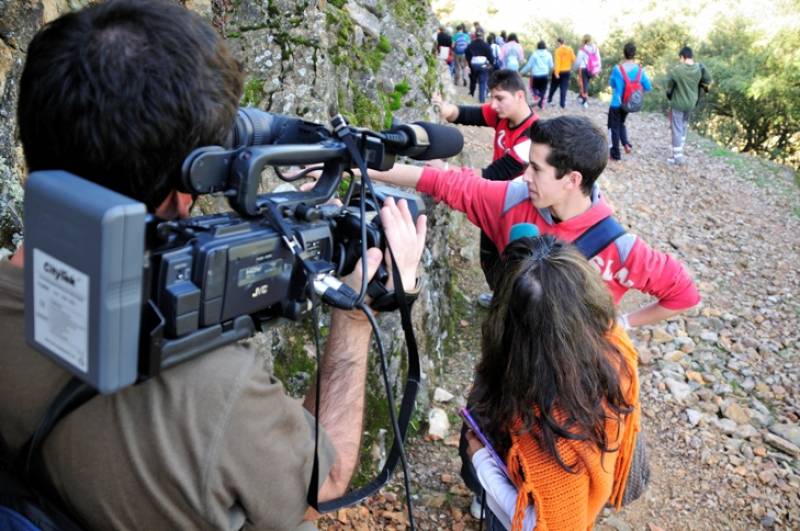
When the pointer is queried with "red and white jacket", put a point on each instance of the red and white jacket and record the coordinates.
(627, 263)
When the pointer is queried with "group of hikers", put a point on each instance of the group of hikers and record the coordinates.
(215, 442)
(469, 55)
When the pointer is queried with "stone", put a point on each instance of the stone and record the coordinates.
(747, 431)
(675, 356)
(679, 390)
(685, 344)
(726, 425)
(617, 523)
(782, 444)
(438, 424)
(442, 395)
(694, 416)
(709, 336)
(365, 19)
(694, 376)
(790, 432)
(661, 336)
(736, 413)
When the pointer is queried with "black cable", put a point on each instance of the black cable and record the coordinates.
(392, 415)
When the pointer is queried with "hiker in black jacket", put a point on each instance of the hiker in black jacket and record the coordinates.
(479, 57)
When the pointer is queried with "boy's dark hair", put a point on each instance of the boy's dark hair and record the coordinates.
(560, 40)
(505, 79)
(629, 50)
(576, 144)
(686, 53)
(512, 37)
(121, 92)
(541, 45)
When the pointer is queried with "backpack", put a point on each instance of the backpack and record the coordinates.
(592, 61)
(462, 41)
(512, 60)
(633, 92)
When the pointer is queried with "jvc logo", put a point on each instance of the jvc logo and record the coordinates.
(259, 291)
(60, 274)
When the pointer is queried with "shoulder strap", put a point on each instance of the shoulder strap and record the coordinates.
(622, 73)
(639, 73)
(599, 236)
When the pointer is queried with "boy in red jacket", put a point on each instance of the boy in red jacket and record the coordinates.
(559, 195)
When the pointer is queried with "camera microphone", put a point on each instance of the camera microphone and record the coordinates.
(424, 140)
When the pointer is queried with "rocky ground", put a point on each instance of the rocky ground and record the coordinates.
(720, 384)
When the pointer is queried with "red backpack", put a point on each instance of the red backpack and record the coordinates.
(633, 93)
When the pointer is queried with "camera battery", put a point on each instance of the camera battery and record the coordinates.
(84, 258)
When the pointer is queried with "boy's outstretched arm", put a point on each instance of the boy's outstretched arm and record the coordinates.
(399, 175)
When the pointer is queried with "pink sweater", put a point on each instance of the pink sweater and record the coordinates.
(628, 262)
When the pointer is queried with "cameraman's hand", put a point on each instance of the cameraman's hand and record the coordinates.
(406, 240)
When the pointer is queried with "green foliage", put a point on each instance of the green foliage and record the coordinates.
(413, 13)
(754, 104)
(253, 92)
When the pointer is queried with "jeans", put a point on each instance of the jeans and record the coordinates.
(584, 80)
(679, 122)
(539, 88)
(562, 84)
(482, 76)
(619, 133)
(460, 69)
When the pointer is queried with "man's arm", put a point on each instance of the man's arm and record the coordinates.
(662, 276)
(505, 168)
(343, 370)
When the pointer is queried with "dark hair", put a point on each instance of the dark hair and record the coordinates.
(491, 38)
(686, 53)
(512, 37)
(576, 144)
(505, 79)
(546, 359)
(460, 27)
(560, 40)
(541, 45)
(121, 92)
(629, 50)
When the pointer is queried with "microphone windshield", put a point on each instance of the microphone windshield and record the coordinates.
(445, 141)
(523, 230)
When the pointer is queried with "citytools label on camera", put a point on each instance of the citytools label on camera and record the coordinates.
(61, 302)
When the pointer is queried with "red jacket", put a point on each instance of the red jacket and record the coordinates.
(628, 262)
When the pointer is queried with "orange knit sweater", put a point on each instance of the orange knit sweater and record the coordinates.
(572, 501)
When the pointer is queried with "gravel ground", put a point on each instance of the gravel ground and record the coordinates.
(720, 384)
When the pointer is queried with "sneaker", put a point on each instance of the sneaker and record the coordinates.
(475, 508)
(585, 104)
(485, 299)
(628, 148)
(676, 161)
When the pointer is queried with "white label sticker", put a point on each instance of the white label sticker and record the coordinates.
(61, 302)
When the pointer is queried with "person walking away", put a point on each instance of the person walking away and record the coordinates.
(539, 66)
(588, 66)
(479, 56)
(564, 58)
(460, 43)
(492, 39)
(501, 39)
(626, 78)
(443, 43)
(511, 54)
(683, 85)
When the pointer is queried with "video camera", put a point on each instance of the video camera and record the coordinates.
(115, 295)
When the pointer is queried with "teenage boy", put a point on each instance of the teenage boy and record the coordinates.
(559, 195)
(511, 117)
(686, 80)
(616, 114)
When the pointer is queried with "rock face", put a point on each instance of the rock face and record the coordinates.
(367, 60)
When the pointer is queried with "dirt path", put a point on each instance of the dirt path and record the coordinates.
(720, 386)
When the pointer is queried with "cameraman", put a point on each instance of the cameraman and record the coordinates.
(120, 93)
